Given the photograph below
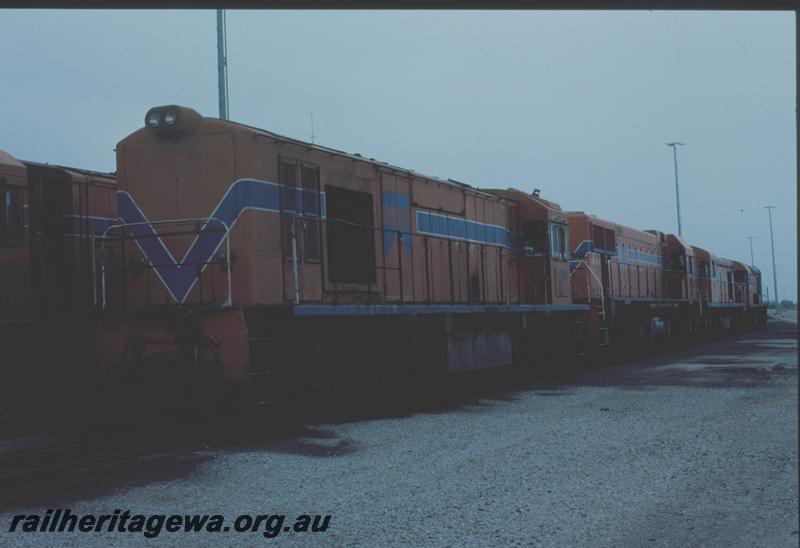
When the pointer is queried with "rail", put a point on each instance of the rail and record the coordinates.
(202, 227)
(394, 265)
(366, 264)
(641, 281)
(600, 283)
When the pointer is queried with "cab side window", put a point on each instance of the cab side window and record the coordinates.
(558, 241)
(534, 236)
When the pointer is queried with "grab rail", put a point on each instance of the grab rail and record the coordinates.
(126, 226)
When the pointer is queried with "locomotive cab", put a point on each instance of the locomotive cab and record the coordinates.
(743, 283)
(542, 256)
(681, 280)
(702, 274)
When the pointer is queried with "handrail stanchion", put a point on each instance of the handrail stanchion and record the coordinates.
(452, 277)
(400, 263)
(483, 274)
(103, 273)
(427, 270)
(369, 269)
(199, 267)
(502, 293)
(599, 282)
(94, 271)
(295, 270)
(229, 301)
(469, 272)
(520, 258)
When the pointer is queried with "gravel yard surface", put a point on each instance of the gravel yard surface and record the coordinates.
(689, 447)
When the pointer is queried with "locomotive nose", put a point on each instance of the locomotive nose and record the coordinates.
(172, 120)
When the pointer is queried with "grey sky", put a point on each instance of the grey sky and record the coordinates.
(578, 104)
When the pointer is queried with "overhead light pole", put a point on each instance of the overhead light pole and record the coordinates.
(752, 263)
(222, 65)
(772, 244)
(675, 146)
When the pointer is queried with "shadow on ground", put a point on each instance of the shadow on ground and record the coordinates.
(750, 359)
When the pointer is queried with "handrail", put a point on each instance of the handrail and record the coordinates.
(598, 280)
(738, 289)
(126, 226)
(468, 262)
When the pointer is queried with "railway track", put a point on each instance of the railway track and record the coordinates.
(108, 444)
(21, 467)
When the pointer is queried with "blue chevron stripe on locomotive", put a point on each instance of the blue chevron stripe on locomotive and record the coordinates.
(244, 194)
(580, 252)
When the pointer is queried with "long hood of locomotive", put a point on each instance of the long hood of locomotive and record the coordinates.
(221, 180)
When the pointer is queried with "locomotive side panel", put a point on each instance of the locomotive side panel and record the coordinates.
(587, 265)
(398, 244)
(702, 276)
(93, 209)
(638, 264)
(264, 240)
(376, 234)
(722, 285)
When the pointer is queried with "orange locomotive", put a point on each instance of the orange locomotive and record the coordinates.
(244, 256)
(730, 291)
(248, 253)
(48, 218)
(647, 285)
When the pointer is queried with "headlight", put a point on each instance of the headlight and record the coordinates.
(153, 118)
(171, 121)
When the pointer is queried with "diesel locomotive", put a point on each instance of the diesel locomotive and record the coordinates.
(49, 216)
(242, 257)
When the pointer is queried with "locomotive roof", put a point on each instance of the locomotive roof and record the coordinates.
(73, 171)
(738, 265)
(681, 241)
(686, 245)
(548, 203)
(10, 165)
(359, 157)
(516, 194)
(716, 258)
(617, 226)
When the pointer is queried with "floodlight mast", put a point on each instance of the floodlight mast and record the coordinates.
(772, 244)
